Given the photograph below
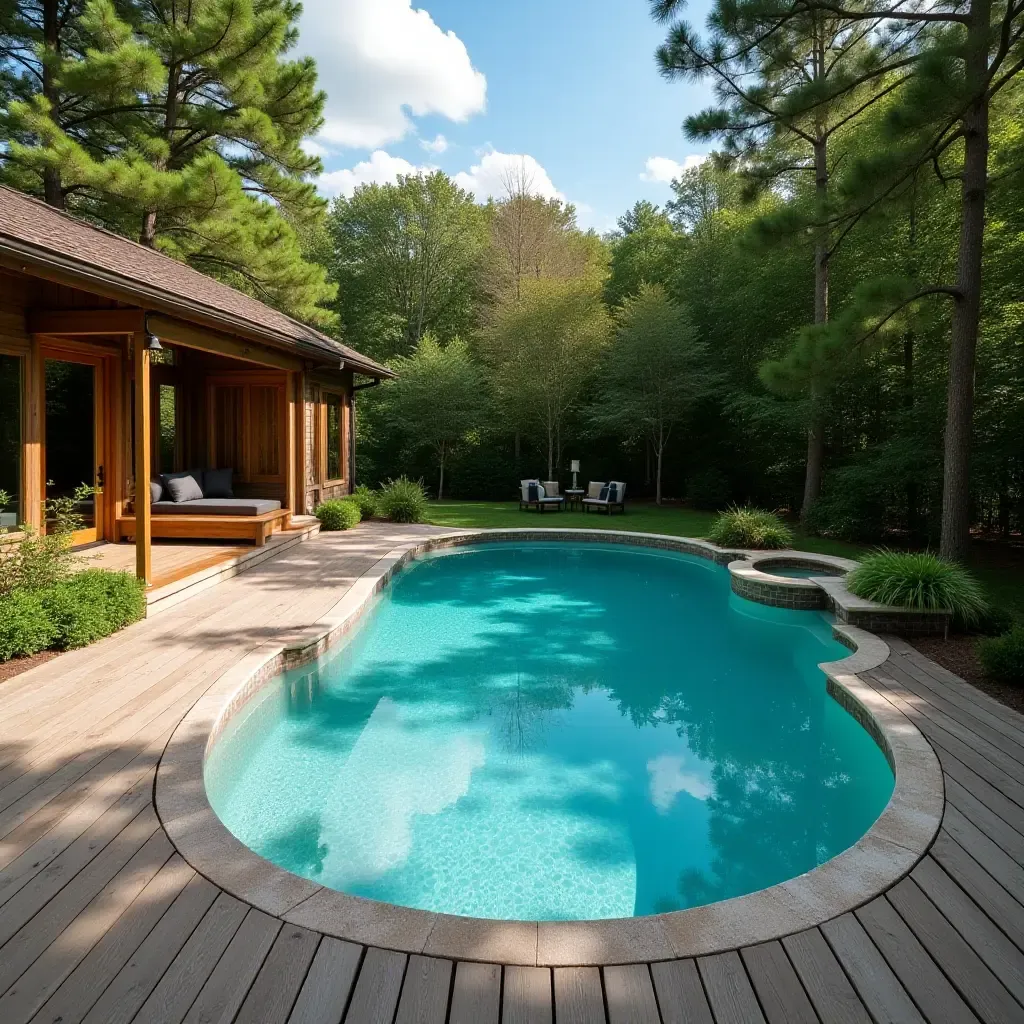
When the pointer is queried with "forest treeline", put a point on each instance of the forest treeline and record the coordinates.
(826, 317)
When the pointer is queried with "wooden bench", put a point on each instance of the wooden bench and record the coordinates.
(186, 527)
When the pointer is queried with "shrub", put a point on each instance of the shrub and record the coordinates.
(25, 628)
(919, 580)
(91, 605)
(364, 497)
(338, 514)
(994, 621)
(1003, 656)
(402, 501)
(750, 528)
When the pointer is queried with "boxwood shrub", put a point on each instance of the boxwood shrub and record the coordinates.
(74, 612)
(338, 514)
(749, 527)
(1002, 657)
(25, 628)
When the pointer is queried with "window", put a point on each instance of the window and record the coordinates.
(335, 437)
(10, 439)
(168, 413)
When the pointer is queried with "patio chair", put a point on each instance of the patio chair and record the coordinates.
(533, 494)
(606, 497)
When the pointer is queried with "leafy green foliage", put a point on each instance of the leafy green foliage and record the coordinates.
(403, 501)
(919, 580)
(73, 612)
(338, 514)
(437, 399)
(25, 627)
(366, 500)
(748, 527)
(1002, 657)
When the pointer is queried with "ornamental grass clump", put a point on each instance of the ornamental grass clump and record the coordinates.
(920, 581)
(402, 501)
(365, 498)
(338, 514)
(748, 527)
(1002, 657)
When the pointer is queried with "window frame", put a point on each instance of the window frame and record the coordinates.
(323, 417)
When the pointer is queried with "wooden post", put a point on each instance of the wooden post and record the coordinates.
(33, 426)
(143, 528)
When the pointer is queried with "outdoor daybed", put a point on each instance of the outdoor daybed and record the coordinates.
(201, 505)
(541, 496)
(608, 497)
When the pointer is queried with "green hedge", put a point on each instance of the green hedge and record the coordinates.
(1003, 656)
(338, 514)
(364, 497)
(72, 613)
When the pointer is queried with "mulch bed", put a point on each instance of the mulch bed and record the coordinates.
(16, 666)
(959, 655)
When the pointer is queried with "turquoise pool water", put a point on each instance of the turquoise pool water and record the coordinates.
(555, 732)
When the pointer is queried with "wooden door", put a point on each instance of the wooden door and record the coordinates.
(74, 436)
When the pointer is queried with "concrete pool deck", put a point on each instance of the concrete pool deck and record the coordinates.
(102, 919)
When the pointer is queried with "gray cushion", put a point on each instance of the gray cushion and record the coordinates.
(183, 488)
(156, 491)
(217, 483)
(216, 507)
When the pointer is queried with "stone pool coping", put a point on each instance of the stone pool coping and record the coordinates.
(885, 854)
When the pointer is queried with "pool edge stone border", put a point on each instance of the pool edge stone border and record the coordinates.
(885, 854)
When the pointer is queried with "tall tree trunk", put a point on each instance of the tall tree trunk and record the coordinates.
(913, 493)
(440, 483)
(816, 424)
(551, 451)
(53, 193)
(147, 234)
(956, 493)
(657, 485)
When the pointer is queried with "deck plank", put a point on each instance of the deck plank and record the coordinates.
(782, 997)
(578, 995)
(629, 993)
(680, 993)
(171, 997)
(132, 985)
(277, 985)
(326, 988)
(824, 980)
(729, 990)
(424, 998)
(883, 995)
(476, 995)
(961, 964)
(527, 996)
(378, 985)
(999, 864)
(925, 983)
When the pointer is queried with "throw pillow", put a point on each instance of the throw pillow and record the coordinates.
(184, 488)
(603, 496)
(217, 483)
(156, 491)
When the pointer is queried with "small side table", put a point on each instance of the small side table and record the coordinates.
(574, 497)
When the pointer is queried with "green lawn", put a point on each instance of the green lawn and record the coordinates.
(1004, 581)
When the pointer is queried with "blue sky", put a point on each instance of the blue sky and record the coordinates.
(569, 86)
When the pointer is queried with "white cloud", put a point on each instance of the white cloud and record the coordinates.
(489, 177)
(381, 61)
(668, 780)
(380, 169)
(664, 169)
(313, 148)
(438, 145)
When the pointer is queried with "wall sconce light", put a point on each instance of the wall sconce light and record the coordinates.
(152, 341)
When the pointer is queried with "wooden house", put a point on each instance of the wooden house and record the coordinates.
(119, 365)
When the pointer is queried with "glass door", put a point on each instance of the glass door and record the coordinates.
(11, 514)
(72, 452)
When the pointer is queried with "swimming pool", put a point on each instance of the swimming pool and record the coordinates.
(555, 731)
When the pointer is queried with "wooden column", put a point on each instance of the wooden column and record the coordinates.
(143, 528)
(33, 431)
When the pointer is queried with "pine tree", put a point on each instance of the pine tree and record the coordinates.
(939, 119)
(787, 80)
(178, 124)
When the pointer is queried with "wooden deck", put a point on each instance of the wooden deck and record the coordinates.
(101, 921)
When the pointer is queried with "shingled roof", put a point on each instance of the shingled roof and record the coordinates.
(32, 232)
